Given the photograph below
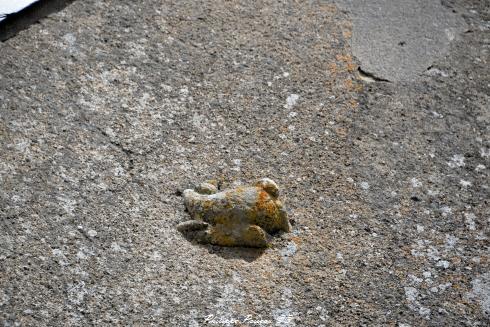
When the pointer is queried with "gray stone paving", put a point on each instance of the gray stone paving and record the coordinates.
(109, 108)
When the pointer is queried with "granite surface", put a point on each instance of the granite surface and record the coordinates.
(109, 108)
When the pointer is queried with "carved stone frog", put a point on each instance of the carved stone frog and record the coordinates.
(241, 216)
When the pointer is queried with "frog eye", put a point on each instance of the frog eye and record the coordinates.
(269, 186)
(206, 188)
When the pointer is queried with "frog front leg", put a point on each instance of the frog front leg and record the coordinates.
(196, 230)
(195, 199)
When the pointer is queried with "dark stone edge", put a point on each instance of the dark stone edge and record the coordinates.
(18, 21)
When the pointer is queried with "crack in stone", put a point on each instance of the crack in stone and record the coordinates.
(367, 75)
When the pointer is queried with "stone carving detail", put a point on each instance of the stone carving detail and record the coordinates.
(241, 216)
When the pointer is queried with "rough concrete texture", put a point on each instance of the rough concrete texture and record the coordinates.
(108, 107)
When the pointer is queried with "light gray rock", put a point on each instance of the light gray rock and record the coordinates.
(398, 40)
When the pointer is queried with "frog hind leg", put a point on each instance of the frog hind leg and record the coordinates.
(192, 226)
(242, 236)
(254, 236)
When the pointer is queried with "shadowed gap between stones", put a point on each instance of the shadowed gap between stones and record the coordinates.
(18, 21)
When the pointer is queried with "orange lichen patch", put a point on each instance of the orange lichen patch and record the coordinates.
(351, 67)
(328, 8)
(347, 34)
(266, 205)
(263, 197)
(349, 84)
(332, 67)
(296, 240)
(353, 103)
(344, 58)
(348, 64)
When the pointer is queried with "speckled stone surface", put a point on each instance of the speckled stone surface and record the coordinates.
(107, 108)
